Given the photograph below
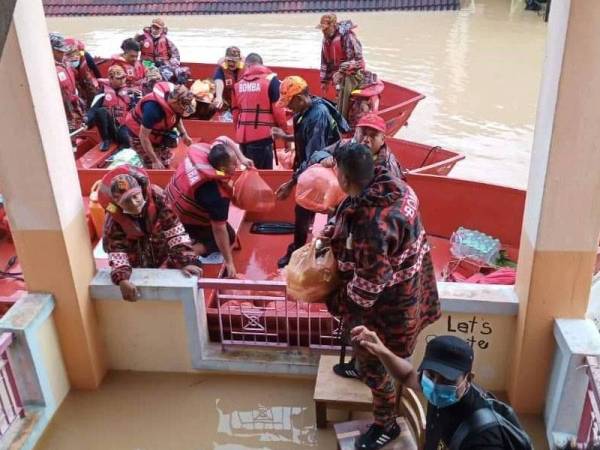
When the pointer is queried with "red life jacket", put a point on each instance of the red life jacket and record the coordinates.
(116, 102)
(130, 225)
(135, 73)
(231, 77)
(255, 118)
(334, 52)
(133, 121)
(67, 81)
(158, 52)
(193, 172)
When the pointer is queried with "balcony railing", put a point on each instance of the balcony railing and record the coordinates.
(260, 314)
(588, 436)
(10, 401)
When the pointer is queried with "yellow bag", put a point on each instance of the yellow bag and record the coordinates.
(311, 278)
(96, 210)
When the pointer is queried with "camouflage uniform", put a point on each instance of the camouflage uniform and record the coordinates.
(388, 279)
(156, 238)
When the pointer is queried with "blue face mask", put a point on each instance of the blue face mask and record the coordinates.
(439, 395)
(74, 63)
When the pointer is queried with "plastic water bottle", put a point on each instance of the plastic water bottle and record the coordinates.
(475, 245)
(226, 117)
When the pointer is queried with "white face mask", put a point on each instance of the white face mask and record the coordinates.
(155, 34)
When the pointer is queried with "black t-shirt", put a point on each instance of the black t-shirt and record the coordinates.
(443, 422)
(209, 198)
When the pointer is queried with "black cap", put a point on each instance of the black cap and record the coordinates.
(449, 356)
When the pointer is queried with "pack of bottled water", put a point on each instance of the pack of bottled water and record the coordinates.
(475, 245)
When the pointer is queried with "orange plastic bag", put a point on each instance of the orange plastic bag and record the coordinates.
(318, 189)
(251, 193)
(311, 278)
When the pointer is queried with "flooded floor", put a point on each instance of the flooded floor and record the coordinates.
(480, 68)
(143, 411)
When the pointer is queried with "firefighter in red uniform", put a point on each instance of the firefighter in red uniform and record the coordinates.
(110, 108)
(162, 52)
(229, 70)
(341, 59)
(85, 70)
(129, 61)
(255, 111)
(200, 192)
(74, 105)
(140, 229)
(151, 123)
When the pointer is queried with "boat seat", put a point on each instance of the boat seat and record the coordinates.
(93, 158)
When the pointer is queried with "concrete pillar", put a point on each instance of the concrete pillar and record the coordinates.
(40, 185)
(562, 211)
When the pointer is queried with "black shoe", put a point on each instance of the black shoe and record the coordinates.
(346, 370)
(285, 259)
(105, 145)
(376, 437)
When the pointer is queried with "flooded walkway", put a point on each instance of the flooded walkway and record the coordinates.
(480, 68)
(160, 411)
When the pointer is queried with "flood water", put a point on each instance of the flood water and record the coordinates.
(480, 68)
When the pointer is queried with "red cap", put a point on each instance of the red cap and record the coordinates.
(372, 121)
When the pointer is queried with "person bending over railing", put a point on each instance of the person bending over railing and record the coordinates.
(140, 229)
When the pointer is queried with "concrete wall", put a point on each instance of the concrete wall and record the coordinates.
(146, 335)
(165, 331)
(492, 338)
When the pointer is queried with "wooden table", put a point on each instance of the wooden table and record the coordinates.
(333, 391)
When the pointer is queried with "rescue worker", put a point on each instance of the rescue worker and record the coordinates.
(342, 60)
(140, 229)
(200, 193)
(317, 124)
(110, 108)
(151, 122)
(204, 93)
(370, 131)
(162, 52)
(85, 70)
(255, 111)
(74, 105)
(229, 70)
(130, 62)
(387, 279)
(152, 77)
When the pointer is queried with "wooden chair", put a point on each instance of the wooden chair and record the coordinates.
(409, 407)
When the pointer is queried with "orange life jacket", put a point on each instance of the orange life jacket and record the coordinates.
(116, 102)
(334, 51)
(135, 73)
(231, 77)
(193, 172)
(155, 52)
(67, 81)
(255, 118)
(133, 121)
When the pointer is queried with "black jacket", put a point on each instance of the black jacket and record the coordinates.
(443, 422)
